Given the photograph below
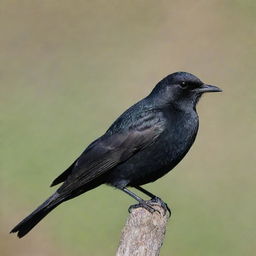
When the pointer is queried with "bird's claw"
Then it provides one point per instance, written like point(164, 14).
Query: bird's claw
point(144, 204)
point(162, 203)
point(147, 205)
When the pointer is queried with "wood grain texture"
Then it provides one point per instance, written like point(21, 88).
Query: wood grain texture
point(144, 232)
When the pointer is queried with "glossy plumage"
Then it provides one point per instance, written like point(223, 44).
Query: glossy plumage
point(143, 144)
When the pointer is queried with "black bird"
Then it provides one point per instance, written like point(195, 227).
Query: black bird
point(143, 144)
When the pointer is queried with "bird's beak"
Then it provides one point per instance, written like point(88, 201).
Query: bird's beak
point(209, 88)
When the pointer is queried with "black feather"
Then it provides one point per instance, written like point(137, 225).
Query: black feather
point(62, 177)
point(37, 215)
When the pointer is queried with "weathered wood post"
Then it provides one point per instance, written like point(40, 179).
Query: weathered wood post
point(143, 233)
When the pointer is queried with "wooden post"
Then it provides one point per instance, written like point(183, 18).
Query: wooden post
point(143, 233)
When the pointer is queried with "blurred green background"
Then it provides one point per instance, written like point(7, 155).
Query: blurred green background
point(69, 68)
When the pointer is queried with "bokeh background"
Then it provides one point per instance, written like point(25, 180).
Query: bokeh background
point(69, 68)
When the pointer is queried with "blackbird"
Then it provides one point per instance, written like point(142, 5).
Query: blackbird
point(143, 144)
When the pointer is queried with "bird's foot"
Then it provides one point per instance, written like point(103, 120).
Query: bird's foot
point(158, 200)
point(144, 204)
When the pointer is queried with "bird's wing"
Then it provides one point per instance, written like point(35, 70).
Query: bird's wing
point(63, 176)
point(111, 150)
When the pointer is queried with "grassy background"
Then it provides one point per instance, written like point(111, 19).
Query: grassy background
point(69, 68)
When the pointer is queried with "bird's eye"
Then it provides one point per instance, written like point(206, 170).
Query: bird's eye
point(183, 85)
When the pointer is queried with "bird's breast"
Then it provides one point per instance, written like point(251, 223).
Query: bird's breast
point(180, 135)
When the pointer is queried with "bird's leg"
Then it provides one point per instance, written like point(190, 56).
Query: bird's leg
point(154, 198)
point(145, 192)
point(142, 203)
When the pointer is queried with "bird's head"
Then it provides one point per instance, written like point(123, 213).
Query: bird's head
point(181, 89)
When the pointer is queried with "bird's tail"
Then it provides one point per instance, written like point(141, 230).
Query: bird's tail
point(37, 215)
